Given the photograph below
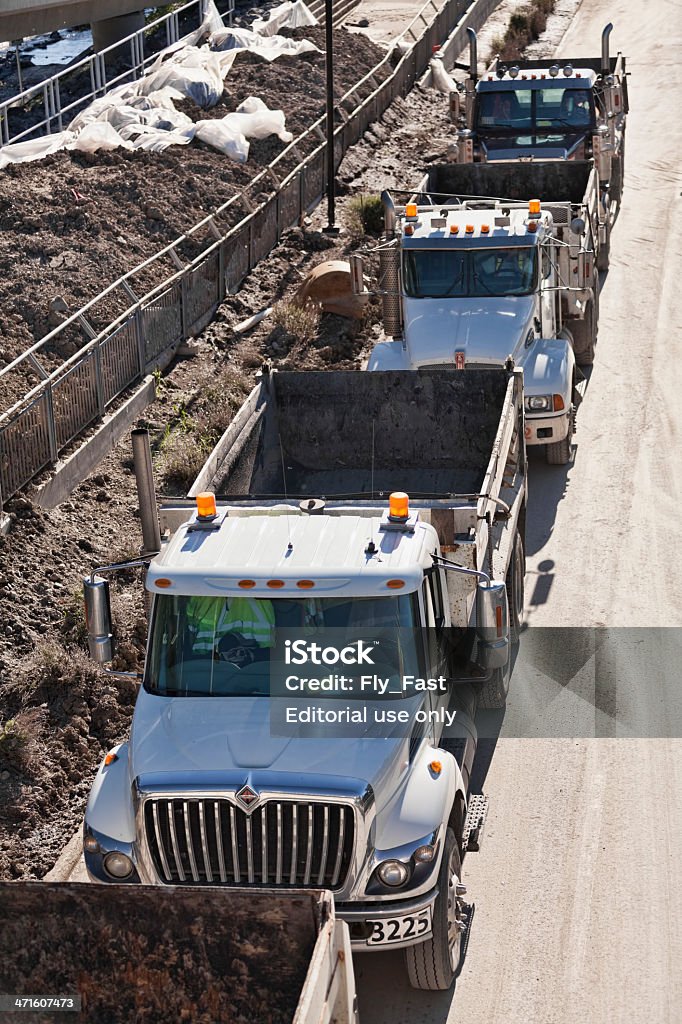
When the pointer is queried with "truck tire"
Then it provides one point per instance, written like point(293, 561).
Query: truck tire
point(616, 183)
point(433, 965)
point(559, 453)
point(604, 250)
point(493, 694)
point(585, 336)
point(618, 173)
point(515, 588)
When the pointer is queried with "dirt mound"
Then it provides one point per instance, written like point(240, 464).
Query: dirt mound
point(72, 223)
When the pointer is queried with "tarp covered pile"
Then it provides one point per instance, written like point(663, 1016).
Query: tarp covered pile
point(142, 115)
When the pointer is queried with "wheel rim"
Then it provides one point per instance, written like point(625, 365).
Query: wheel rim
point(454, 911)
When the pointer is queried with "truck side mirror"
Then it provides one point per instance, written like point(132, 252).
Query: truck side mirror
point(98, 619)
point(357, 275)
point(492, 623)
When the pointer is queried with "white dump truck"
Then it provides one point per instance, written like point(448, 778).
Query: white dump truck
point(318, 646)
point(568, 109)
point(474, 271)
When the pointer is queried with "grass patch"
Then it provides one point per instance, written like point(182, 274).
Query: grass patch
point(194, 430)
point(525, 27)
point(364, 216)
point(19, 738)
point(299, 322)
point(72, 627)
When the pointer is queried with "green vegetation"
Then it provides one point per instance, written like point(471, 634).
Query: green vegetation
point(524, 28)
point(364, 216)
point(194, 430)
point(18, 738)
point(301, 322)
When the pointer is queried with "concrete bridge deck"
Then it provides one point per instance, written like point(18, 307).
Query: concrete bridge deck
point(21, 18)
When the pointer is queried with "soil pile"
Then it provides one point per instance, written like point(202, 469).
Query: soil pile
point(72, 223)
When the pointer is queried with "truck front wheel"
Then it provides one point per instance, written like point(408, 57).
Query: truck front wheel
point(559, 453)
point(434, 964)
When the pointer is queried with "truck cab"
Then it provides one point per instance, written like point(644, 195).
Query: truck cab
point(545, 110)
point(479, 286)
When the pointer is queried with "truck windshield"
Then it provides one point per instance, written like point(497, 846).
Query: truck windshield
point(469, 273)
point(530, 110)
point(222, 647)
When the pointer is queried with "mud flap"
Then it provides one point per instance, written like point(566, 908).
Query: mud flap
point(579, 387)
point(474, 822)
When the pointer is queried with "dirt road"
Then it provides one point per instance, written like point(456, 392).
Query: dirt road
point(577, 889)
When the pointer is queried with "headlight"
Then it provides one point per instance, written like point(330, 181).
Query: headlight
point(393, 872)
point(538, 403)
point(118, 865)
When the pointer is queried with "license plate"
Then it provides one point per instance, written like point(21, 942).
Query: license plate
point(397, 929)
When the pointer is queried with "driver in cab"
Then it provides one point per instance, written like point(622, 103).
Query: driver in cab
point(240, 630)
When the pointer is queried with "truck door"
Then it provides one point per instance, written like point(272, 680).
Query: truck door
point(548, 294)
point(436, 616)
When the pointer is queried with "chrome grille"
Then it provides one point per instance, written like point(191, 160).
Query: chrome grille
point(281, 842)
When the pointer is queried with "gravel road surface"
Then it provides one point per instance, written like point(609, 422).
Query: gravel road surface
point(577, 889)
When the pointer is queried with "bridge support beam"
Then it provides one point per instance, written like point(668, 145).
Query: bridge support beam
point(111, 30)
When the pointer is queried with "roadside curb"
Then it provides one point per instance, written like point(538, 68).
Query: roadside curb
point(66, 861)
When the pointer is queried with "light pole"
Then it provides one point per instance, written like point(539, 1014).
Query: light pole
point(331, 228)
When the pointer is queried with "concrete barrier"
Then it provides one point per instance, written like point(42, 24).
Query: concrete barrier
point(74, 469)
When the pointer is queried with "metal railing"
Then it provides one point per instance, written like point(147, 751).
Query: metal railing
point(93, 69)
point(67, 401)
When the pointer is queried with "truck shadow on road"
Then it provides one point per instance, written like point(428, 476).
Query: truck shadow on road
point(549, 486)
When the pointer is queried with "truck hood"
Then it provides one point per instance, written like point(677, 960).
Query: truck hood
point(173, 736)
point(557, 146)
point(486, 330)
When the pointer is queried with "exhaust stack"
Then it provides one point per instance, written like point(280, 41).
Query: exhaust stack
point(389, 214)
point(473, 54)
point(605, 60)
point(98, 619)
point(144, 476)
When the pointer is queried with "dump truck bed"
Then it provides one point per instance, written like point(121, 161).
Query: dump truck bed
point(168, 954)
point(357, 434)
point(553, 181)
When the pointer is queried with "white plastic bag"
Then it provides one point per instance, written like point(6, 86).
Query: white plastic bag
point(441, 80)
point(287, 15)
point(256, 121)
point(98, 135)
point(194, 73)
point(224, 138)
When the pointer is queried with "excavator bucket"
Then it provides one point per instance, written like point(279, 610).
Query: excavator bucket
point(153, 954)
point(329, 286)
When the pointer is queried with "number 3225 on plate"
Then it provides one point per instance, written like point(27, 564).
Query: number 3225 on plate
point(397, 929)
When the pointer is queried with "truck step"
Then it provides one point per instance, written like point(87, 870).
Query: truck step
point(474, 822)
